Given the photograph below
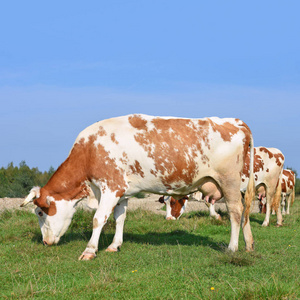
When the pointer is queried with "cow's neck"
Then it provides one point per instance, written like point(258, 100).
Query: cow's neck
point(69, 181)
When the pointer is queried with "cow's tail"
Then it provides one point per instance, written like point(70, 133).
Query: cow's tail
point(250, 191)
point(277, 196)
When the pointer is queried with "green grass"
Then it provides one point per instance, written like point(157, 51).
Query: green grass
point(185, 259)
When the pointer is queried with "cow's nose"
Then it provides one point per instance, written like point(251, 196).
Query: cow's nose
point(45, 243)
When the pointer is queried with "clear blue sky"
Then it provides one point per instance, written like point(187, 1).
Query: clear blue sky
point(67, 64)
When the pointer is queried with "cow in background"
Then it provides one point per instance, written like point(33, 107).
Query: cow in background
point(122, 156)
point(268, 165)
point(288, 190)
point(175, 208)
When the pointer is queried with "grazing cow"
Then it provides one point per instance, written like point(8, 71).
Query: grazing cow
point(122, 156)
point(175, 208)
point(268, 164)
point(288, 190)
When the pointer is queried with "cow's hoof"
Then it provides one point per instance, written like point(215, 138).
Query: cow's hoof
point(111, 249)
point(278, 225)
point(265, 224)
point(219, 218)
point(170, 218)
point(87, 256)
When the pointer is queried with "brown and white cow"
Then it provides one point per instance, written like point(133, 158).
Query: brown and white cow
point(268, 164)
point(175, 208)
point(288, 190)
point(268, 167)
point(122, 156)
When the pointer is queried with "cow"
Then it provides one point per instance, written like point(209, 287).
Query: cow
point(122, 156)
point(175, 208)
point(268, 165)
point(288, 190)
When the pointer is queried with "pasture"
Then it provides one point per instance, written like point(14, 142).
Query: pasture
point(159, 259)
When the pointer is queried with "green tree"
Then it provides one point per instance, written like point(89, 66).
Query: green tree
point(17, 181)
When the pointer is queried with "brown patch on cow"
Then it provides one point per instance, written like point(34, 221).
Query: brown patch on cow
point(279, 159)
point(268, 170)
point(278, 156)
point(257, 166)
point(283, 185)
point(95, 223)
point(226, 130)
point(290, 178)
point(124, 159)
point(113, 138)
point(86, 161)
point(51, 210)
point(120, 193)
point(101, 131)
point(204, 159)
point(182, 136)
point(182, 140)
point(137, 169)
point(138, 122)
point(258, 163)
point(154, 173)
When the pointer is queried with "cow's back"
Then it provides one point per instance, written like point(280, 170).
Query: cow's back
point(157, 154)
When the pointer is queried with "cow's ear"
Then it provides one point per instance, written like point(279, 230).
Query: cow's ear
point(161, 199)
point(34, 192)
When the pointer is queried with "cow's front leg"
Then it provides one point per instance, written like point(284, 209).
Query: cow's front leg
point(289, 200)
point(119, 215)
point(279, 217)
point(268, 212)
point(101, 216)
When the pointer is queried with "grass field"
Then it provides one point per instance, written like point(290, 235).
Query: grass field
point(185, 259)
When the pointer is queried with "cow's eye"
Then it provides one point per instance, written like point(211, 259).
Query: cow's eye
point(40, 213)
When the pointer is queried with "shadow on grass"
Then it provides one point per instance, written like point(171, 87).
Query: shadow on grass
point(180, 237)
point(255, 219)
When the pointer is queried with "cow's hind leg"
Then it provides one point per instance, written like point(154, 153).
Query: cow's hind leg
point(283, 203)
point(105, 208)
point(235, 210)
point(248, 237)
point(213, 213)
point(119, 215)
point(289, 198)
point(268, 208)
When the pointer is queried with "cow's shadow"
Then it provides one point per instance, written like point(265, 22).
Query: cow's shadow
point(177, 237)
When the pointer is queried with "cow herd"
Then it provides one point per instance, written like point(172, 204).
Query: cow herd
point(268, 174)
point(173, 157)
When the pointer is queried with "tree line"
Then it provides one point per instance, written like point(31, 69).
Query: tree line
point(16, 181)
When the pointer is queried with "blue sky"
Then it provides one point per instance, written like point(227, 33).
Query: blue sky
point(67, 64)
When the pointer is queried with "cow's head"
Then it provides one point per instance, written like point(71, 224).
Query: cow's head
point(174, 208)
point(54, 216)
point(262, 204)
